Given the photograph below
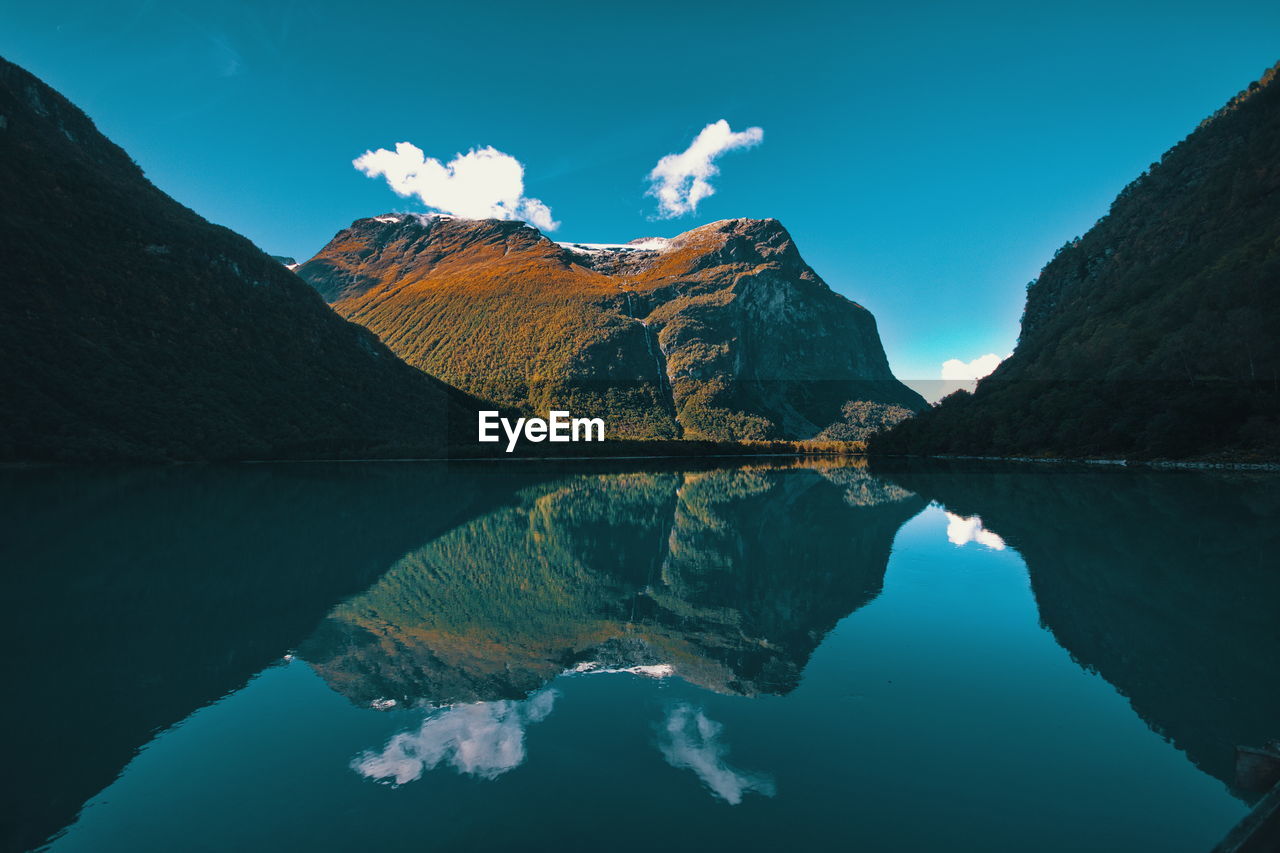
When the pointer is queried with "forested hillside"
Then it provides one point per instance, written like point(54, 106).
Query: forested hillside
point(1157, 333)
point(131, 328)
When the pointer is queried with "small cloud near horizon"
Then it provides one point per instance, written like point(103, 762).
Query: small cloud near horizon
point(954, 368)
point(955, 375)
point(484, 183)
point(681, 180)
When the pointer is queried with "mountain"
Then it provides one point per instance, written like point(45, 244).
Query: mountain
point(131, 328)
point(1157, 333)
point(723, 332)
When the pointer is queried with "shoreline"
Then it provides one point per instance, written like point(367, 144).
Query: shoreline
point(1195, 465)
point(20, 466)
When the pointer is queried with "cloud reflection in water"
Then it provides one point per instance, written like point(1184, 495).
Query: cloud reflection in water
point(689, 740)
point(484, 739)
point(961, 531)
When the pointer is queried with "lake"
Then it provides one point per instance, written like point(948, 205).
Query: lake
point(627, 656)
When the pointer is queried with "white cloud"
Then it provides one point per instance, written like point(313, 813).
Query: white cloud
point(691, 741)
point(954, 368)
point(680, 181)
point(484, 183)
point(962, 531)
point(484, 739)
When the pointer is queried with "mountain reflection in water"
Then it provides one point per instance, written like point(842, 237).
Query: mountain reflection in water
point(725, 578)
point(462, 615)
point(1165, 583)
point(657, 574)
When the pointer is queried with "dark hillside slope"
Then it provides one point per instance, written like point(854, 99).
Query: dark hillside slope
point(1157, 334)
point(131, 328)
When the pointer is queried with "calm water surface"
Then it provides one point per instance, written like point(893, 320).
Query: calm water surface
point(799, 656)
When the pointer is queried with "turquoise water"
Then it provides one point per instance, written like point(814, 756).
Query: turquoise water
point(424, 657)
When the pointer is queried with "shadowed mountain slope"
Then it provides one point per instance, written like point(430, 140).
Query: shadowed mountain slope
point(131, 328)
point(1157, 333)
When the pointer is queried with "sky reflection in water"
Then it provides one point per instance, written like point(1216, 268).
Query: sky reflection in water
point(767, 647)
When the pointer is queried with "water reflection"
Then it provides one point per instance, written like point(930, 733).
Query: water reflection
point(689, 740)
point(1163, 582)
point(728, 578)
point(482, 739)
point(140, 595)
point(724, 577)
point(962, 531)
point(455, 596)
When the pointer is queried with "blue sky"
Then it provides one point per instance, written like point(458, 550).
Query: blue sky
point(927, 158)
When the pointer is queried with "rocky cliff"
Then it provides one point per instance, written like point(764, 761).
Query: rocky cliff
point(723, 332)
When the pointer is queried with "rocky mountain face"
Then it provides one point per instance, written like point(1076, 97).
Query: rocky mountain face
point(1157, 333)
point(131, 328)
point(723, 332)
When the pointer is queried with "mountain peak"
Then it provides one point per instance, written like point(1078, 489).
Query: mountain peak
point(443, 224)
point(721, 332)
point(419, 242)
point(755, 228)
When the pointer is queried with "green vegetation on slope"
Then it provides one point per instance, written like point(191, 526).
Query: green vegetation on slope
point(1157, 333)
point(723, 334)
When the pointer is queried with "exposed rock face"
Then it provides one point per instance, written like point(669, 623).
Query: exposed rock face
point(130, 328)
point(723, 332)
point(1157, 333)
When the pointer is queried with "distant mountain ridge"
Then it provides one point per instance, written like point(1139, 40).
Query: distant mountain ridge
point(1157, 333)
point(723, 332)
point(131, 328)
